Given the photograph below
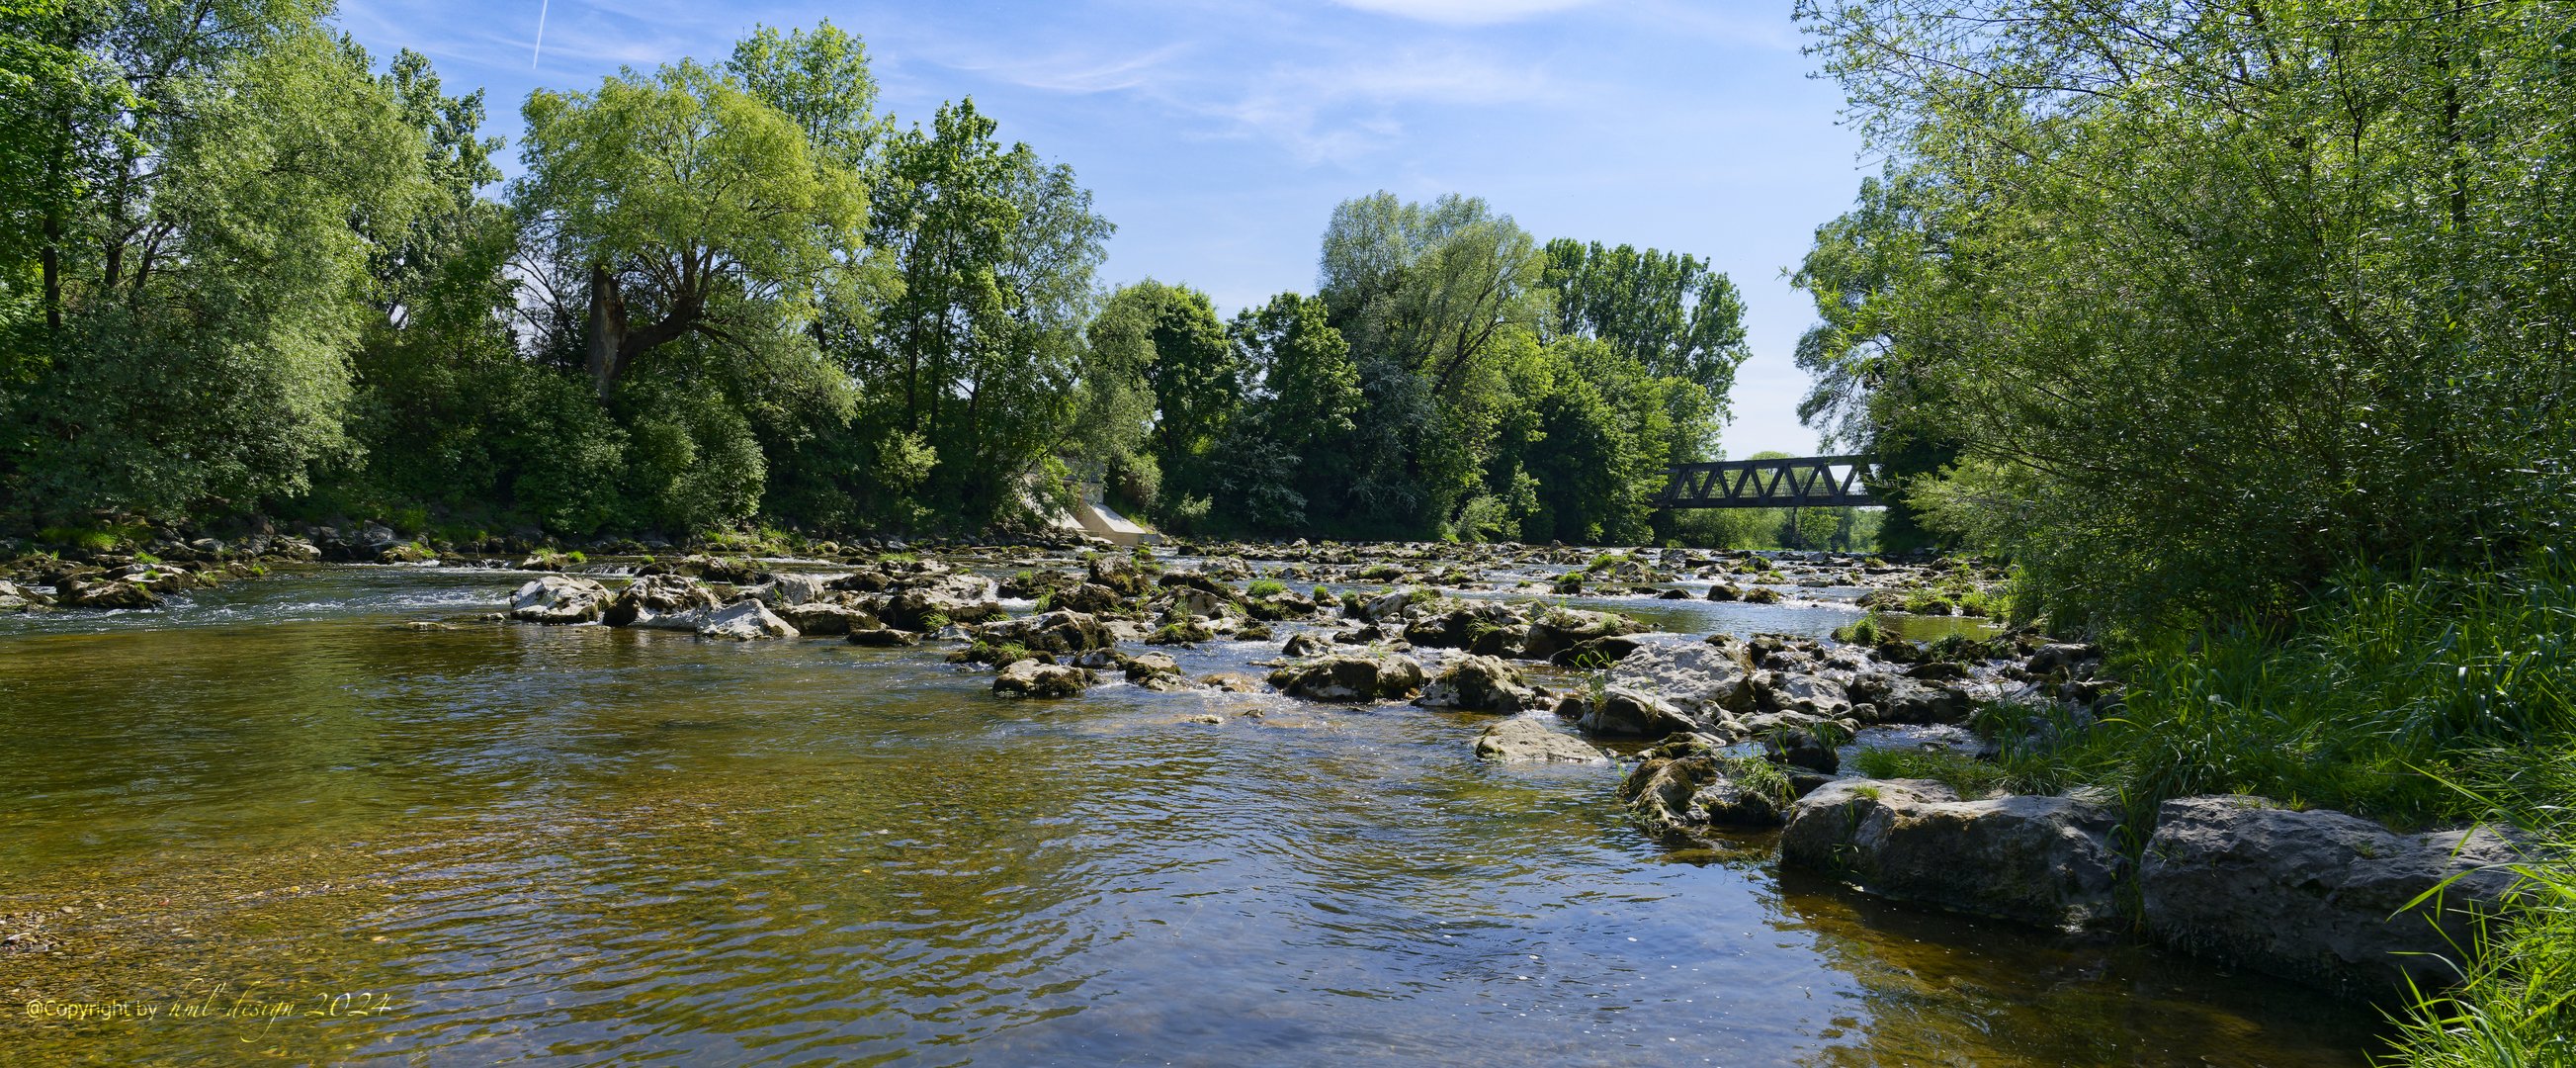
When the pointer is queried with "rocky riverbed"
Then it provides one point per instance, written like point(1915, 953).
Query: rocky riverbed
point(1728, 740)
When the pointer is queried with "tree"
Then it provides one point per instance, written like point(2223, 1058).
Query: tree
point(210, 195)
point(1171, 335)
point(977, 357)
point(2349, 345)
point(1667, 311)
point(684, 205)
point(1291, 448)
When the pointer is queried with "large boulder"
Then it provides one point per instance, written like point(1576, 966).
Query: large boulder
point(1703, 679)
point(558, 599)
point(929, 608)
point(106, 593)
point(661, 602)
point(1486, 629)
point(1091, 598)
point(1059, 631)
point(1529, 739)
point(1679, 796)
point(15, 598)
point(786, 590)
point(744, 620)
point(1898, 699)
point(1119, 573)
point(1029, 678)
point(1356, 677)
point(826, 618)
point(2320, 897)
point(1624, 713)
point(2041, 860)
point(1477, 684)
point(1564, 628)
point(1809, 695)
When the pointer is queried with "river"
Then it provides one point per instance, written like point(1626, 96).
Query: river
point(280, 826)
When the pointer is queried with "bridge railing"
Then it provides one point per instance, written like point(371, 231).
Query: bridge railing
point(1800, 482)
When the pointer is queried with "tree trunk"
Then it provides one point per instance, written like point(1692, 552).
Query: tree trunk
point(607, 358)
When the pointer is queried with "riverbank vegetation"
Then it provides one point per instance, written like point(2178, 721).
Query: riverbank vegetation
point(2242, 330)
point(249, 272)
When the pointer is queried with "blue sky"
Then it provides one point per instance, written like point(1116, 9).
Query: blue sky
point(1218, 134)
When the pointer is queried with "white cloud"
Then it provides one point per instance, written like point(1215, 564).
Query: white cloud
point(1463, 12)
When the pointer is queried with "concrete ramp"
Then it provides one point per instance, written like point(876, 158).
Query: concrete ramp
point(1101, 521)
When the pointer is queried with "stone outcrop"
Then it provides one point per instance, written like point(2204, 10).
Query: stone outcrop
point(1559, 629)
point(1704, 680)
point(1620, 712)
point(826, 618)
point(1529, 739)
point(2041, 860)
point(1486, 629)
point(884, 637)
point(2321, 897)
point(661, 602)
point(1693, 791)
point(1355, 677)
point(744, 620)
point(1029, 678)
point(1060, 631)
point(1478, 684)
point(558, 599)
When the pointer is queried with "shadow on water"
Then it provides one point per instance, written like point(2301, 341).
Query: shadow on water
point(587, 846)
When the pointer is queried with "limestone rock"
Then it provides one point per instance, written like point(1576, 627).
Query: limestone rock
point(108, 593)
point(1091, 598)
point(1563, 628)
point(884, 637)
point(1060, 631)
point(1626, 713)
point(558, 599)
point(1527, 739)
point(2042, 860)
point(1702, 679)
point(744, 620)
point(1029, 678)
point(661, 602)
point(1356, 677)
point(1478, 684)
point(1680, 795)
point(826, 618)
point(2320, 897)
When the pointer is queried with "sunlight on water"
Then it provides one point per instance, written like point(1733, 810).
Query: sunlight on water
point(513, 844)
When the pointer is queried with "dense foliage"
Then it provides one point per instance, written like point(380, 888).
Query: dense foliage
point(2206, 300)
point(247, 274)
point(2244, 329)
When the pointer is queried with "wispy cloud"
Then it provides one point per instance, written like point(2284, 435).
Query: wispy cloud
point(1464, 12)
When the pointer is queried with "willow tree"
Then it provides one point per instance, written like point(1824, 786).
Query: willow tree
point(683, 204)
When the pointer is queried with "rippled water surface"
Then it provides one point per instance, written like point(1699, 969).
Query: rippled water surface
point(588, 846)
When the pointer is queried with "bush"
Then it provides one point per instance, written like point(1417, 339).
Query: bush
point(1265, 588)
point(2385, 678)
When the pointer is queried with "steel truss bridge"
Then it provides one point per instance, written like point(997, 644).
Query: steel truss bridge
point(1807, 482)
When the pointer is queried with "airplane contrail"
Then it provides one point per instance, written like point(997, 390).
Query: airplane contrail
point(541, 35)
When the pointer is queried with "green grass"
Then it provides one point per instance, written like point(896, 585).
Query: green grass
point(99, 539)
point(1863, 631)
point(1967, 776)
point(2417, 697)
point(1265, 588)
point(2516, 1005)
point(2380, 681)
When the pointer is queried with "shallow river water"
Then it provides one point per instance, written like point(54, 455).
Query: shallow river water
point(296, 832)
